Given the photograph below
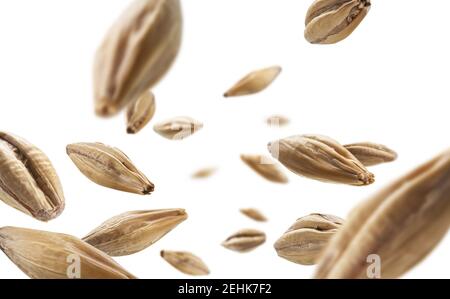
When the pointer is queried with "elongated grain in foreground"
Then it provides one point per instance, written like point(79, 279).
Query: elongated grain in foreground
point(265, 167)
point(254, 214)
point(140, 112)
point(178, 128)
point(185, 262)
point(331, 21)
point(400, 225)
point(109, 167)
point(245, 240)
point(47, 255)
point(305, 240)
point(370, 154)
point(254, 82)
point(320, 158)
point(136, 53)
point(134, 231)
point(28, 181)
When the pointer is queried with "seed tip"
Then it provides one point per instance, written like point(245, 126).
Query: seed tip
point(148, 189)
point(366, 178)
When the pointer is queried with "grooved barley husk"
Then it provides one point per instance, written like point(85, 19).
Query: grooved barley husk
point(254, 82)
point(140, 112)
point(401, 224)
point(370, 154)
point(320, 158)
point(134, 231)
point(28, 181)
point(136, 53)
point(307, 237)
point(47, 255)
point(330, 21)
point(185, 262)
point(109, 167)
point(245, 240)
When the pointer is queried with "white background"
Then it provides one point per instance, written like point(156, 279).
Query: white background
point(387, 83)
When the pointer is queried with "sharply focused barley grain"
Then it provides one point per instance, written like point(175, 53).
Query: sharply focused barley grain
point(306, 239)
point(330, 21)
point(109, 167)
point(134, 231)
point(28, 181)
point(320, 158)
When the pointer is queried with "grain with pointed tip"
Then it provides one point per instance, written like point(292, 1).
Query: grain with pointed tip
point(402, 224)
point(134, 231)
point(370, 154)
point(140, 113)
point(331, 21)
point(266, 167)
point(254, 82)
point(254, 214)
point(109, 167)
point(48, 255)
point(28, 180)
point(136, 53)
point(320, 158)
point(245, 240)
point(307, 237)
point(185, 262)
